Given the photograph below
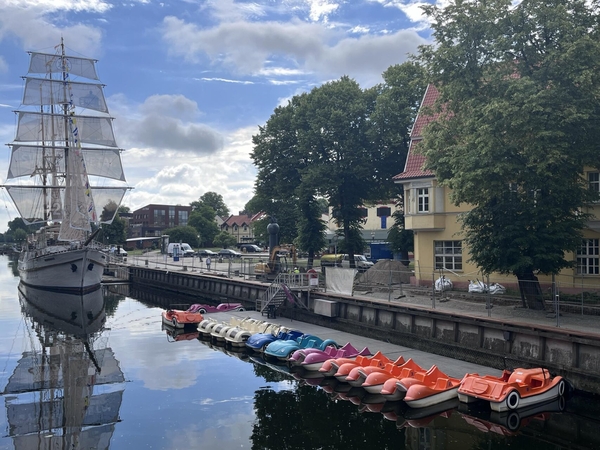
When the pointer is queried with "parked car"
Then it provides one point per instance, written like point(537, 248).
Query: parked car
point(250, 248)
point(229, 253)
point(205, 252)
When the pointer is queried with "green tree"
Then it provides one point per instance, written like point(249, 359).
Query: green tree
point(185, 234)
point(519, 88)
point(213, 200)
point(202, 219)
point(115, 232)
point(16, 224)
point(224, 240)
point(20, 236)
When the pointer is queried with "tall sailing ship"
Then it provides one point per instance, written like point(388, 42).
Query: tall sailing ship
point(64, 141)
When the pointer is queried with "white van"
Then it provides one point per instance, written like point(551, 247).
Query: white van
point(342, 260)
point(183, 249)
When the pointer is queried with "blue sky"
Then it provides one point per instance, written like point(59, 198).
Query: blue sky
point(190, 81)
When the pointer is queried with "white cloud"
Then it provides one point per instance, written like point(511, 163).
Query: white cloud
point(321, 9)
point(249, 47)
point(225, 80)
point(58, 5)
point(182, 177)
point(30, 26)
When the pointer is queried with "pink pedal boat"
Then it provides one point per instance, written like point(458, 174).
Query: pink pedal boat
point(377, 360)
point(358, 375)
point(313, 361)
point(375, 380)
point(395, 388)
point(512, 390)
point(331, 366)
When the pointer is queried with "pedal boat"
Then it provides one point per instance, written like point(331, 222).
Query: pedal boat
point(395, 388)
point(177, 318)
point(218, 332)
point(238, 336)
point(205, 327)
point(315, 360)
point(376, 379)
point(331, 366)
point(358, 375)
point(433, 391)
point(512, 390)
point(377, 360)
point(221, 307)
point(259, 341)
point(283, 349)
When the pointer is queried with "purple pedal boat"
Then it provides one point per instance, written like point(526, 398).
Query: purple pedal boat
point(311, 359)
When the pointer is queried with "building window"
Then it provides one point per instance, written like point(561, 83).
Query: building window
point(423, 200)
point(384, 211)
point(594, 181)
point(448, 255)
point(588, 257)
point(383, 222)
point(171, 216)
point(183, 218)
point(363, 212)
point(159, 217)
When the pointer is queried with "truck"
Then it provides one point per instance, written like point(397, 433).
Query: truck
point(183, 249)
point(343, 260)
point(282, 258)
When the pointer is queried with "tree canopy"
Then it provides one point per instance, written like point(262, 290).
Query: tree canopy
point(518, 123)
point(185, 234)
point(214, 201)
point(339, 143)
point(202, 218)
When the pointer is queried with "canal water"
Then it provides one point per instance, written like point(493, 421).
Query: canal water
point(100, 372)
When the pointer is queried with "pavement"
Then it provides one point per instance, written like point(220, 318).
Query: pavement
point(504, 309)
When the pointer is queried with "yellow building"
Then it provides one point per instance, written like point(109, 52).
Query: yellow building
point(439, 247)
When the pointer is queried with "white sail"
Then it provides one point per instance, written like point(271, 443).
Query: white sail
point(94, 130)
point(40, 91)
point(29, 201)
point(27, 160)
point(53, 63)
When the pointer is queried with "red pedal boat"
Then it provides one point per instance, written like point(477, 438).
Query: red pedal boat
point(512, 390)
point(179, 319)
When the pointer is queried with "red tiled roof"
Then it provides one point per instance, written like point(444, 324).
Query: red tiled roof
point(414, 161)
point(431, 95)
point(242, 219)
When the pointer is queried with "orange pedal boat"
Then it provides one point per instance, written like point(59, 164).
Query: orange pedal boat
point(395, 388)
point(435, 389)
point(358, 375)
point(512, 390)
point(331, 366)
point(375, 380)
point(377, 360)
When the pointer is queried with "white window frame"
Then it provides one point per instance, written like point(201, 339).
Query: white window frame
point(588, 257)
point(448, 255)
point(423, 200)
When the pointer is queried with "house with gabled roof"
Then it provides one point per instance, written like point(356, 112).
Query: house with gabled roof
point(438, 243)
point(240, 226)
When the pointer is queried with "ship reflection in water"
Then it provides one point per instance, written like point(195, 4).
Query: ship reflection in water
point(67, 388)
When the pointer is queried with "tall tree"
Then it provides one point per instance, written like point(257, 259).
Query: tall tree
point(186, 234)
point(202, 218)
point(215, 201)
point(519, 88)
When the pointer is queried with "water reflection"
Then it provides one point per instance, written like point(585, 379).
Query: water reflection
point(67, 387)
point(319, 412)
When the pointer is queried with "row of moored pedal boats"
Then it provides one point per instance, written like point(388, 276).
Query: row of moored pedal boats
point(393, 380)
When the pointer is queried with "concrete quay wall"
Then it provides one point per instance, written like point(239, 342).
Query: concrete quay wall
point(487, 341)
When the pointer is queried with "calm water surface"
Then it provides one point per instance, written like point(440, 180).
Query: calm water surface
point(106, 375)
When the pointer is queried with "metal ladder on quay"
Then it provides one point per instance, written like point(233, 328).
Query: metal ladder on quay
point(280, 290)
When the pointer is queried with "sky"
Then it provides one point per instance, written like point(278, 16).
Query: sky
point(189, 82)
